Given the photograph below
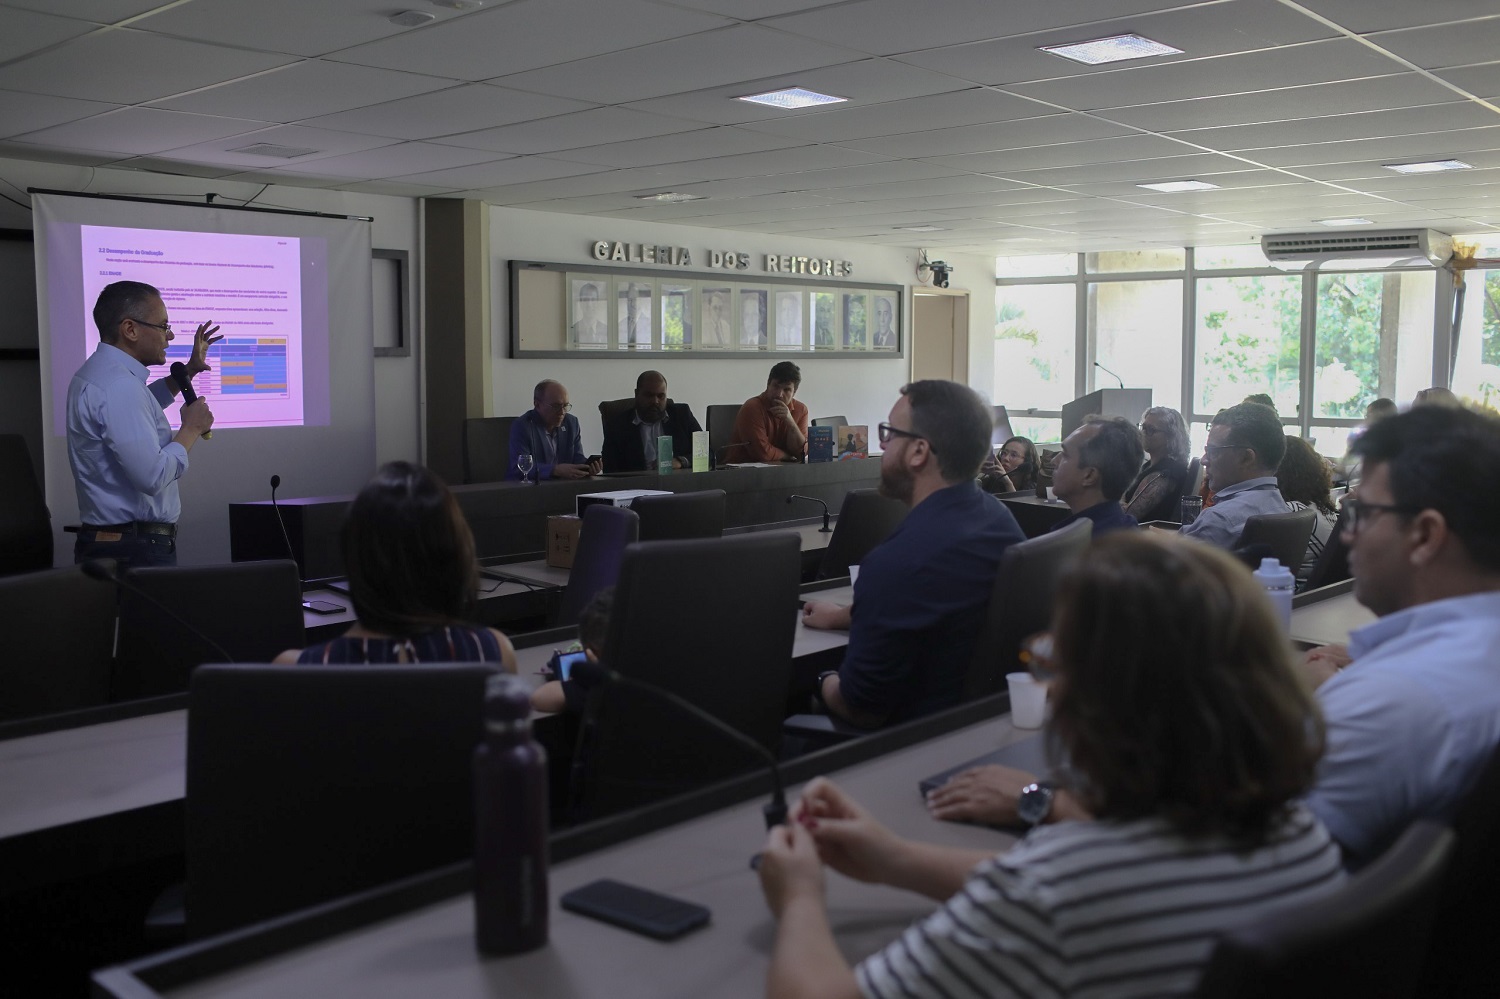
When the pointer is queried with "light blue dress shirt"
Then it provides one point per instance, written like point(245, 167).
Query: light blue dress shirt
point(1222, 524)
point(125, 463)
point(1411, 721)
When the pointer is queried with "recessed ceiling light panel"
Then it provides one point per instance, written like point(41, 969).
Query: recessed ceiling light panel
point(1428, 166)
point(793, 98)
point(1344, 222)
point(1116, 48)
point(1179, 186)
point(670, 197)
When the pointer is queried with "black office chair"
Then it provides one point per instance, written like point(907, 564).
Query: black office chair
point(865, 520)
point(830, 421)
point(681, 515)
point(1282, 536)
point(1021, 603)
point(309, 782)
point(487, 448)
point(719, 420)
point(610, 408)
point(1366, 939)
point(1462, 959)
point(1192, 483)
point(602, 539)
point(713, 621)
point(25, 521)
point(1332, 565)
point(59, 644)
point(252, 610)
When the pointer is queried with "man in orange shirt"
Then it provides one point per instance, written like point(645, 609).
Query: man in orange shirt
point(771, 426)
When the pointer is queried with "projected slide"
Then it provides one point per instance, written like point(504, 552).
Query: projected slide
point(248, 286)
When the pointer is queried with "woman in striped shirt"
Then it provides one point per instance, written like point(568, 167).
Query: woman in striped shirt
point(1189, 741)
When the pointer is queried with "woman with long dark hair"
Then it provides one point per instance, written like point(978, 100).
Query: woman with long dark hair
point(413, 578)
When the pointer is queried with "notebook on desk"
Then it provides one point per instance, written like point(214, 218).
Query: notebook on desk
point(1030, 754)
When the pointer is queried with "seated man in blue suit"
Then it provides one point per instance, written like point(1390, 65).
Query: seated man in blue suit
point(630, 437)
point(550, 434)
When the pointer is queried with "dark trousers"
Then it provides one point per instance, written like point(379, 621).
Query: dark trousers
point(132, 550)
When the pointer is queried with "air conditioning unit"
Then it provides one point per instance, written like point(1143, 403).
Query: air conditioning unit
point(1296, 251)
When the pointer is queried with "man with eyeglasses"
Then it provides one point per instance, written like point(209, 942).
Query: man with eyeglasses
point(922, 593)
point(550, 435)
point(126, 459)
point(1412, 707)
point(1245, 446)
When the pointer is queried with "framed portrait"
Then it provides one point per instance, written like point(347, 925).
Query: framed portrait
point(751, 313)
point(716, 328)
point(791, 320)
point(825, 320)
point(678, 313)
point(634, 301)
point(588, 313)
point(884, 334)
point(856, 320)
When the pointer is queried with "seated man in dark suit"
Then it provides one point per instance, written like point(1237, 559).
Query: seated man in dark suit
point(1098, 461)
point(630, 437)
point(549, 433)
point(923, 592)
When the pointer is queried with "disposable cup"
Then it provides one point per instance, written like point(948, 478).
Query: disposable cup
point(1028, 700)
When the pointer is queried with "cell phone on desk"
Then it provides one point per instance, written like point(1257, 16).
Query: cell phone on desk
point(322, 607)
point(561, 664)
point(636, 909)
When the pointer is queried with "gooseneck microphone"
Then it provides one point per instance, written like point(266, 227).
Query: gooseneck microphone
point(813, 499)
point(180, 376)
point(592, 673)
point(275, 482)
point(107, 571)
point(1110, 373)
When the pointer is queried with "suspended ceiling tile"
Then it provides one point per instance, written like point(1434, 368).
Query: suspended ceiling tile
point(596, 126)
point(446, 112)
point(529, 34)
point(158, 67)
point(23, 31)
point(682, 146)
point(1445, 44)
point(138, 131)
point(21, 113)
point(1392, 149)
point(323, 142)
point(1050, 130)
point(303, 90)
point(708, 59)
point(297, 26)
point(400, 160)
point(1370, 124)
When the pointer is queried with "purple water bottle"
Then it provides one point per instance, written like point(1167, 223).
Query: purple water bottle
point(510, 825)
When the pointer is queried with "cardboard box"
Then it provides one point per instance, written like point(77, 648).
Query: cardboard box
point(562, 540)
point(614, 497)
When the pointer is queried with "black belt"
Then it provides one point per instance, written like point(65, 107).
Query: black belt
point(134, 527)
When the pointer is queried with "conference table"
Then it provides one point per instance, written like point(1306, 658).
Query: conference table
point(418, 938)
point(93, 797)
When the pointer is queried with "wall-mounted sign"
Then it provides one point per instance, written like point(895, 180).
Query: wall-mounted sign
point(729, 260)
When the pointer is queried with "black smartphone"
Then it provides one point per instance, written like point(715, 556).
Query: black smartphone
point(562, 663)
point(637, 909)
point(322, 607)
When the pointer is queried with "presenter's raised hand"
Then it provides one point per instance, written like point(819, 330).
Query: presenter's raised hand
point(202, 340)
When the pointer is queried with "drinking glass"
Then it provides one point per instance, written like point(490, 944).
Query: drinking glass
point(524, 464)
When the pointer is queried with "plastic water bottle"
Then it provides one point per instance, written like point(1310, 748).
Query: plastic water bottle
point(1279, 583)
point(510, 834)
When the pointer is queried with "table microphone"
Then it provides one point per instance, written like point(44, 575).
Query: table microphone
point(180, 376)
point(275, 482)
point(592, 673)
point(813, 499)
point(107, 571)
point(1110, 373)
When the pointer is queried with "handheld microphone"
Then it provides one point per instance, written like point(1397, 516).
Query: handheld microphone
point(592, 673)
point(719, 460)
point(275, 482)
point(813, 499)
point(1110, 373)
point(180, 376)
point(107, 571)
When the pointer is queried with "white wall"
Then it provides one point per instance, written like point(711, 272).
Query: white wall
point(863, 390)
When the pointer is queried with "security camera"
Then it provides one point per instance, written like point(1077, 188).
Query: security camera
point(940, 273)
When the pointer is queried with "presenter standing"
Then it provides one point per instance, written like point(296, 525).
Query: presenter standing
point(126, 461)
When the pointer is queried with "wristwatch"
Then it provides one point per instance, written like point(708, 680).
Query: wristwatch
point(818, 688)
point(1035, 803)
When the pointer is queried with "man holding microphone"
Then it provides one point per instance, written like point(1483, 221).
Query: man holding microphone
point(125, 458)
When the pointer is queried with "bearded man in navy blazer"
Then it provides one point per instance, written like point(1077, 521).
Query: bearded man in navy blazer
point(630, 437)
